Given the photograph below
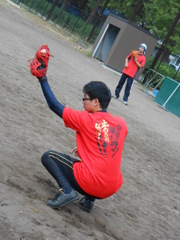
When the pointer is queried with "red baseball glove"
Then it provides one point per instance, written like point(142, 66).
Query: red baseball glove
point(134, 53)
point(39, 64)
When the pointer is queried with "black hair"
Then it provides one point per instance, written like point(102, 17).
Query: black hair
point(99, 90)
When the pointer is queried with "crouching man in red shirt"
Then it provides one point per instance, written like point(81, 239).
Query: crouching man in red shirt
point(100, 136)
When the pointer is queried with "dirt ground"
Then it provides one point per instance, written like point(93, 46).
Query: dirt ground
point(147, 207)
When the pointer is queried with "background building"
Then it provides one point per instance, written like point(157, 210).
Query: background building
point(117, 38)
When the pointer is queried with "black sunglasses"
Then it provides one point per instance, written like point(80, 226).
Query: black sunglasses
point(84, 99)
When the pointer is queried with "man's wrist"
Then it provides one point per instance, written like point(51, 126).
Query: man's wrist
point(43, 79)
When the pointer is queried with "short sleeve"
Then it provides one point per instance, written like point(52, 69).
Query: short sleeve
point(72, 118)
point(143, 61)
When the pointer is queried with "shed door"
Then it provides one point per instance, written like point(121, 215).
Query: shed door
point(106, 43)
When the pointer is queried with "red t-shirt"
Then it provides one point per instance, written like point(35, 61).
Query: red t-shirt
point(100, 138)
point(132, 68)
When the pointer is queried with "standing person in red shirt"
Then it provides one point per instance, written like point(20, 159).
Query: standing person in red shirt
point(132, 65)
point(95, 171)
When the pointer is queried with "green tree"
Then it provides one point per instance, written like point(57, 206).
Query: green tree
point(65, 4)
point(105, 4)
point(155, 16)
point(167, 39)
point(94, 11)
point(52, 9)
point(160, 15)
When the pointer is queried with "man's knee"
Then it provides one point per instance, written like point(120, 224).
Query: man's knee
point(45, 157)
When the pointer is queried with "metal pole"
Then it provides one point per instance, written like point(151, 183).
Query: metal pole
point(159, 83)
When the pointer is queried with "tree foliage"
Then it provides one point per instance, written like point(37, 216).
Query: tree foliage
point(155, 16)
point(160, 15)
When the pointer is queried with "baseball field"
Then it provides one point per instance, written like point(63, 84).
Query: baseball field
point(147, 207)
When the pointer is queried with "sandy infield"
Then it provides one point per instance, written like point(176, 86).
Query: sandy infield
point(147, 207)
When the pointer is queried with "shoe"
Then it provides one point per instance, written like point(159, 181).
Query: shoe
point(62, 199)
point(125, 102)
point(86, 204)
point(115, 96)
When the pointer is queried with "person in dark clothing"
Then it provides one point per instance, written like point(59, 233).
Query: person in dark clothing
point(132, 65)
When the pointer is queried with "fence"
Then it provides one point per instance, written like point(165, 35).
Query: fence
point(72, 19)
point(154, 79)
point(169, 96)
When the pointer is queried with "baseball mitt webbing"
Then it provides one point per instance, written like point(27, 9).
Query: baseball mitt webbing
point(134, 53)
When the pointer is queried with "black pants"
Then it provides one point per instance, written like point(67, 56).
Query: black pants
point(60, 166)
point(128, 86)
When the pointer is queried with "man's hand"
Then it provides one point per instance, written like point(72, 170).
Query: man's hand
point(138, 64)
point(75, 152)
point(39, 64)
point(126, 63)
